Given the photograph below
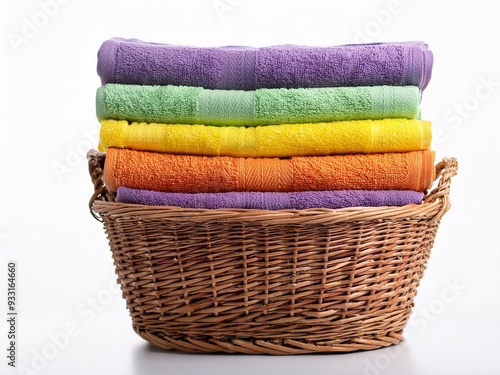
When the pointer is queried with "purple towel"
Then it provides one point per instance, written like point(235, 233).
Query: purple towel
point(131, 61)
point(272, 201)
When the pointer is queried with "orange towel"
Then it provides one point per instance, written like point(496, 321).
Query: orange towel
point(195, 174)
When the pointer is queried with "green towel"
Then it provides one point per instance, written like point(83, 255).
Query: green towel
point(195, 105)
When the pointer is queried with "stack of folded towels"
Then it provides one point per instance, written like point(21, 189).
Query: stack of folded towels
point(283, 127)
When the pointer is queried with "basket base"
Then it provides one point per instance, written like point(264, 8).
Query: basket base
point(188, 343)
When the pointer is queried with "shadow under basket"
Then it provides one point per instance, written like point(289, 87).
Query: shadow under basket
point(270, 282)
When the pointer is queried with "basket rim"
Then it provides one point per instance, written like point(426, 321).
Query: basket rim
point(436, 204)
point(309, 216)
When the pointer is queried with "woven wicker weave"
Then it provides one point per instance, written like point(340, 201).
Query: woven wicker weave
point(273, 282)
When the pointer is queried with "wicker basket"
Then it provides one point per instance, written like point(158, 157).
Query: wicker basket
point(270, 282)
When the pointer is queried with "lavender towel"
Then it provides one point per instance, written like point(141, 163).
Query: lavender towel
point(272, 201)
point(131, 61)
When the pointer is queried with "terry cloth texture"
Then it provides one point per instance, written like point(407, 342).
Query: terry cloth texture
point(195, 105)
point(272, 201)
point(131, 61)
point(342, 137)
point(204, 174)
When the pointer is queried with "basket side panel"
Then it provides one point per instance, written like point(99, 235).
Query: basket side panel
point(224, 281)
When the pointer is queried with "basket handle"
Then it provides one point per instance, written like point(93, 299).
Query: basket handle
point(96, 169)
point(445, 169)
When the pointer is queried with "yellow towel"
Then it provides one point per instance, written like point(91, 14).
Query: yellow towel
point(342, 137)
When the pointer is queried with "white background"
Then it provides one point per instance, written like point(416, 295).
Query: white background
point(48, 82)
